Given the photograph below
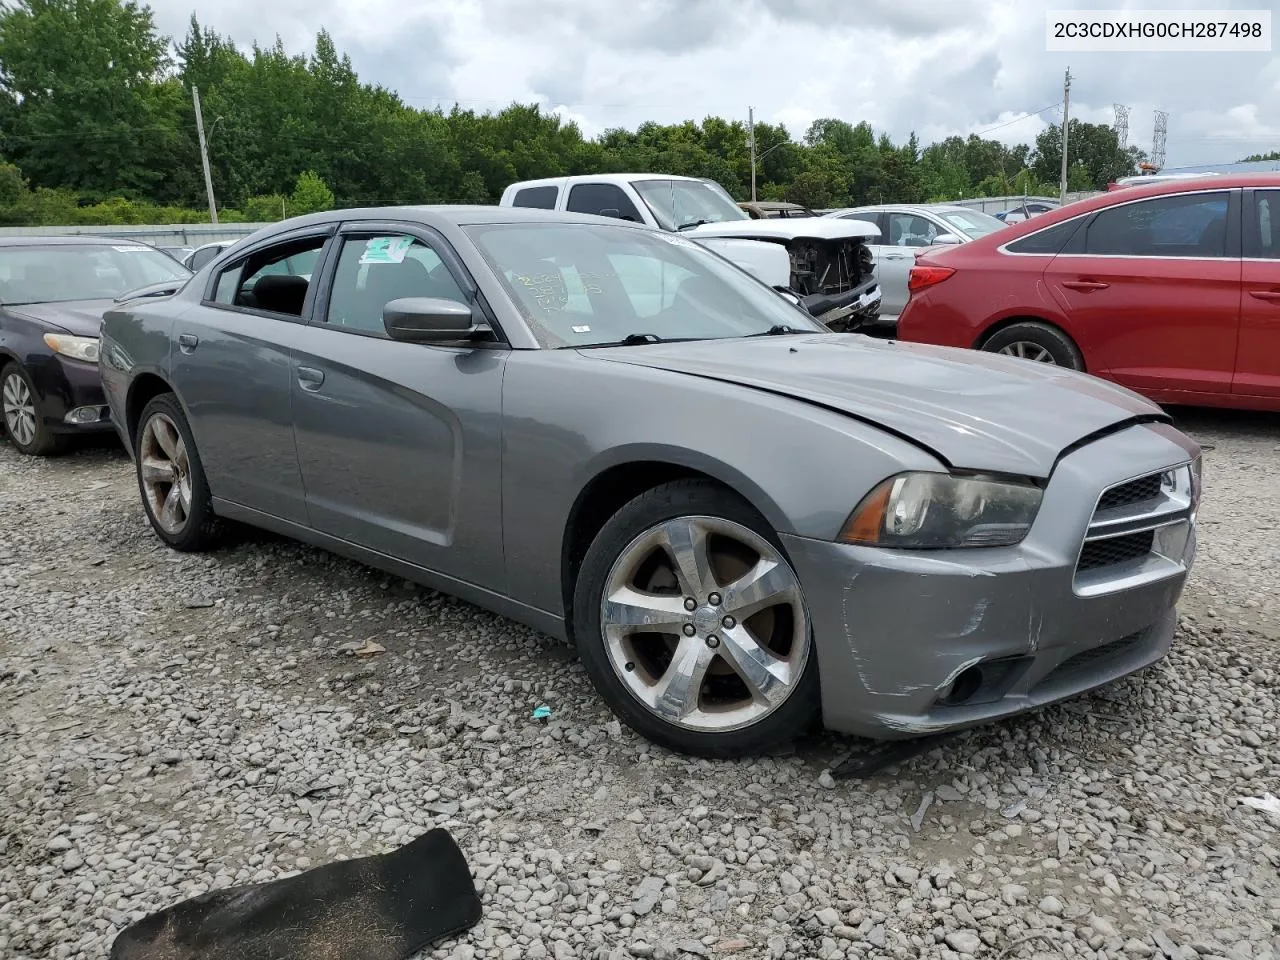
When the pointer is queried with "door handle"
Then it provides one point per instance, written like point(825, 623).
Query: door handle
point(1085, 284)
point(187, 342)
point(896, 256)
point(309, 378)
point(1271, 295)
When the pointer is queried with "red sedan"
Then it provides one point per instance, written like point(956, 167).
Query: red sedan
point(1172, 290)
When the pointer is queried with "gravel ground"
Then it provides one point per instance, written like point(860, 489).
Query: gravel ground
point(174, 724)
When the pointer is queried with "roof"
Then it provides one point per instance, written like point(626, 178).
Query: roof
point(1137, 192)
point(438, 216)
point(77, 240)
point(619, 178)
point(772, 205)
point(879, 207)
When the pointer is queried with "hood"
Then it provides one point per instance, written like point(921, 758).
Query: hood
point(788, 228)
point(80, 318)
point(974, 411)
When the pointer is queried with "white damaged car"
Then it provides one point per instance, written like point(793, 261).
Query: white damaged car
point(825, 263)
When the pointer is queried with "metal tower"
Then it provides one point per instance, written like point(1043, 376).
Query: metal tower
point(1159, 138)
point(1122, 124)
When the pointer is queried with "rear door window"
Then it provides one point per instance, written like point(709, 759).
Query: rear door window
point(1182, 225)
point(1264, 232)
point(602, 199)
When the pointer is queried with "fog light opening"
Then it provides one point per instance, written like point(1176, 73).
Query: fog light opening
point(962, 688)
point(93, 414)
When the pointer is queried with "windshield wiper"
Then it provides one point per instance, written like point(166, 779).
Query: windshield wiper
point(778, 330)
point(631, 340)
point(694, 223)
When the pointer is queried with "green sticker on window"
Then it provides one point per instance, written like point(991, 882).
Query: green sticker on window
point(386, 249)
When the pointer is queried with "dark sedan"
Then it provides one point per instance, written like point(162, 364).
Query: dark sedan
point(53, 291)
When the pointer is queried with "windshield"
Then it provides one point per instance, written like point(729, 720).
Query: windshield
point(685, 203)
point(50, 274)
point(973, 223)
point(582, 285)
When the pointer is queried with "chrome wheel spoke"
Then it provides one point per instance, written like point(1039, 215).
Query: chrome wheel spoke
point(767, 584)
point(677, 693)
point(629, 611)
point(767, 676)
point(685, 542)
point(171, 511)
point(166, 436)
point(155, 470)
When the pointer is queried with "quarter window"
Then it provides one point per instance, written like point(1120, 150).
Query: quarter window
point(374, 270)
point(602, 199)
point(1050, 241)
point(1182, 225)
point(540, 198)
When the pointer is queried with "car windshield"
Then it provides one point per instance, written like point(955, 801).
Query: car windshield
point(678, 204)
point(583, 285)
point(48, 274)
point(972, 223)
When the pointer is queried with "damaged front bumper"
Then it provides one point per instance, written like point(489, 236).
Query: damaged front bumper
point(913, 643)
point(848, 310)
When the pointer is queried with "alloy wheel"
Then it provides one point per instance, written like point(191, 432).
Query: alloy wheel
point(165, 470)
point(1026, 350)
point(705, 624)
point(19, 409)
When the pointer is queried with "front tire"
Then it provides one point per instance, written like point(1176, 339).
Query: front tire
point(1038, 342)
point(23, 423)
point(175, 493)
point(692, 624)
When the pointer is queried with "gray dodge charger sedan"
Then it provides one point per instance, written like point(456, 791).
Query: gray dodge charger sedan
point(610, 433)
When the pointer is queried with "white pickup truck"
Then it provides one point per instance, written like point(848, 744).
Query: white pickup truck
point(827, 264)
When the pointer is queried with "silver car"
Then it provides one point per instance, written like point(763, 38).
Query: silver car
point(612, 434)
point(905, 230)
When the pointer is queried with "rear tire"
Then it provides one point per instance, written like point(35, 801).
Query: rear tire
point(20, 413)
point(738, 673)
point(1036, 341)
point(175, 493)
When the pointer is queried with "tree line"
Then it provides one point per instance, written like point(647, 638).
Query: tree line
point(97, 125)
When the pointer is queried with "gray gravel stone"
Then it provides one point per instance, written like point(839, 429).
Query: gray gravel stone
point(153, 752)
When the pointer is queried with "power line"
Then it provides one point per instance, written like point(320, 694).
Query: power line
point(1025, 116)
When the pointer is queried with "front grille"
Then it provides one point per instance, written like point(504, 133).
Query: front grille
point(1132, 530)
point(1115, 550)
point(1135, 491)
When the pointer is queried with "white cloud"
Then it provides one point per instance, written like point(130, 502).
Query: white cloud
point(901, 65)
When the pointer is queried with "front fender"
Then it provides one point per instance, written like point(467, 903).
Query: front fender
point(568, 417)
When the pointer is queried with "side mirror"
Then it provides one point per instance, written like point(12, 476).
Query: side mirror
point(946, 240)
point(430, 320)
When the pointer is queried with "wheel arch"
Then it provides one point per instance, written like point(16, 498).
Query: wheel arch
point(142, 390)
point(625, 477)
point(1004, 323)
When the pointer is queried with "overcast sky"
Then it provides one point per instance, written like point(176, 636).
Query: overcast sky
point(938, 67)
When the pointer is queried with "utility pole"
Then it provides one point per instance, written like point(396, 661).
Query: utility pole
point(1066, 109)
point(751, 123)
point(204, 156)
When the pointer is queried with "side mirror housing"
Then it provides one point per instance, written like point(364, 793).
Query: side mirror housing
point(431, 320)
point(946, 240)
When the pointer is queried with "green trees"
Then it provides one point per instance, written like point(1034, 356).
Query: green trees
point(97, 121)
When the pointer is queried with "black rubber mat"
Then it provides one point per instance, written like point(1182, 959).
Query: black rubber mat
point(385, 907)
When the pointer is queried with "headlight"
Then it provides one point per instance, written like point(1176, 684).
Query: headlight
point(924, 511)
point(78, 348)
